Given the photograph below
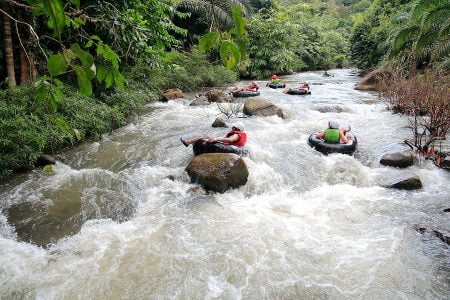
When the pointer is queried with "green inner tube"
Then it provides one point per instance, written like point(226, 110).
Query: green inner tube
point(326, 148)
point(245, 94)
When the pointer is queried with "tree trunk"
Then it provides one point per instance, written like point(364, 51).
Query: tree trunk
point(9, 56)
point(24, 68)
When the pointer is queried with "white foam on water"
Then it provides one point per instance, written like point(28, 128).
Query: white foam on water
point(304, 226)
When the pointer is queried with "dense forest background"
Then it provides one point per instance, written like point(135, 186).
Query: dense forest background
point(76, 69)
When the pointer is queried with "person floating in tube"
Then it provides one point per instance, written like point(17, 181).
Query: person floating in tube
point(253, 87)
point(303, 86)
point(233, 142)
point(334, 134)
point(274, 80)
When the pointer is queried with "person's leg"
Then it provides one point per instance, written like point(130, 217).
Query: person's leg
point(286, 90)
point(320, 135)
point(187, 142)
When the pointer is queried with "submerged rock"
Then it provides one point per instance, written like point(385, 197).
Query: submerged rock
point(409, 181)
point(218, 171)
point(171, 94)
point(371, 80)
point(330, 108)
point(401, 157)
point(219, 96)
point(202, 100)
point(257, 106)
point(219, 122)
point(45, 160)
point(62, 212)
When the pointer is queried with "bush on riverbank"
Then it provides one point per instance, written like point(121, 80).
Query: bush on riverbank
point(27, 130)
point(424, 97)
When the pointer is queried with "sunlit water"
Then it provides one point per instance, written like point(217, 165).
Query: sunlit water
point(304, 226)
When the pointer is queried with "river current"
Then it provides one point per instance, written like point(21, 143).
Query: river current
point(117, 220)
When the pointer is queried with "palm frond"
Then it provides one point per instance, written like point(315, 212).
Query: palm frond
point(402, 39)
point(435, 18)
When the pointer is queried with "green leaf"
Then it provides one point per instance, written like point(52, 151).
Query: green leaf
point(101, 73)
point(119, 79)
point(56, 64)
point(85, 57)
point(89, 44)
point(242, 45)
point(109, 79)
point(48, 168)
point(76, 2)
point(55, 11)
point(83, 81)
point(230, 55)
point(77, 134)
point(239, 20)
point(208, 41)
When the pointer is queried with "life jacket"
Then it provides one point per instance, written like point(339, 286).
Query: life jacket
point(276, 81)
point(303, 87)
point(331, 135)
point(251, 88)
point(242, 138)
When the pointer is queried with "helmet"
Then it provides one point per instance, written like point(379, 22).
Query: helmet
point(274, 77)
point(238, 125)
point(333, 124)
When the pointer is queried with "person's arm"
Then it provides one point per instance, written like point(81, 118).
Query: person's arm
point(226, 140)
point(342, 137)
point(320, 135)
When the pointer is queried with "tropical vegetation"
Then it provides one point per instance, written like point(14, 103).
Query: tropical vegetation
point(75, 69)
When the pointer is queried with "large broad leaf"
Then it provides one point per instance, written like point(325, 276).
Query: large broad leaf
point(242, 45)
point(85, 57)
point(208, 41)
point(55, 11)
point(56, 64)
point(119, 79)
point(239, 20)
point(230, 55)
point(83, 80)
point(101, 73)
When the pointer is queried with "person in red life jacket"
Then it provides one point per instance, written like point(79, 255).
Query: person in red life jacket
point(253, 87)
point(236, 137)
point(303, 86)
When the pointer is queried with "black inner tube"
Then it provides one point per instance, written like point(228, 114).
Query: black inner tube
point(298, 92)
point(245, 94)
point(326, 148)
point(202, 146)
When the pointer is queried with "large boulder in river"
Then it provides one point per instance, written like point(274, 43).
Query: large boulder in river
point(218, 171)
point(219, 122)
point(408, 181)
point(219, 96)
point(401, 156)
point(370, 81)
point(258, 106)
point(171, 94)
point(202, 100)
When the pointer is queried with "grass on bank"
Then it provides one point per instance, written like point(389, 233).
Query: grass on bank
point(28, 130)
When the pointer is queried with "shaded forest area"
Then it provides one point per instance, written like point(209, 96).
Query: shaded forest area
point(71, 70)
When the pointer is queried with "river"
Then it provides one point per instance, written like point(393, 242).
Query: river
point(109, 223)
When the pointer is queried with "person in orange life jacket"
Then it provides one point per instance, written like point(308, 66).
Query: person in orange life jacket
point(253, 87)
point(334, 134)
point(236, 137)
point(302, 86)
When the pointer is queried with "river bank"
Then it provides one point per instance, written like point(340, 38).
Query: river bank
point(305, 224)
